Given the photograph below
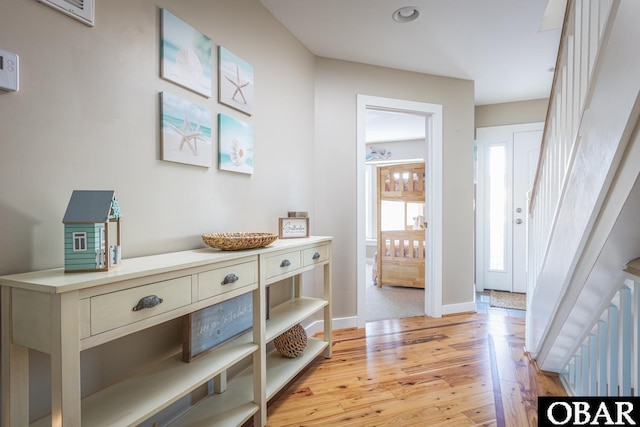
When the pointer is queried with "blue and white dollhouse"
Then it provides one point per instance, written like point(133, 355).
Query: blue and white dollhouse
point(87, 244)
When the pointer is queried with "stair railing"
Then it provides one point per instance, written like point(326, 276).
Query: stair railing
point(608, 361)
point(589, 164)
point(585, 22)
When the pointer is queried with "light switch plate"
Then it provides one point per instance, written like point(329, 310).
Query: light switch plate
point(9, 71)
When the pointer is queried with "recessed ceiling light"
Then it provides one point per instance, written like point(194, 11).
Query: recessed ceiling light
point(406, 14)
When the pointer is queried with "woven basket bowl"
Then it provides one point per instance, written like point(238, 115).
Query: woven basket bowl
point(292, 342)
point(238, 241)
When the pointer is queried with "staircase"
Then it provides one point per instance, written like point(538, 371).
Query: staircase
point(606, 364)
point(584, 221)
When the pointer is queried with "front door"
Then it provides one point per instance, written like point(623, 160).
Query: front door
point(507, 161)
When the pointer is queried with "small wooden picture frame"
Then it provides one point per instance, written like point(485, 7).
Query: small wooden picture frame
point(293, 228)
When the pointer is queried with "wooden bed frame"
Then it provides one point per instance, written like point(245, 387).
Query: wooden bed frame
point(400, 258)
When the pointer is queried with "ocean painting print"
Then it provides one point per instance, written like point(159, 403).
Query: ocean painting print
point(186, 131)
point(185, 55)
point(235, 146)
point(235, 81)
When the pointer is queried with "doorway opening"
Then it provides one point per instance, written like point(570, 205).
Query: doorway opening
point(396, 206)
point(431, 114)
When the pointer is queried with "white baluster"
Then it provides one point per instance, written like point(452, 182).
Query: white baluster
point(584, 370)
point(584, 53)
point(602, 357)
point(626, 340)
point(614, 353)
point(572, 374)
point(577, 104)
point(577, 388)
point(570, 105)
point(594, 34)
point(593, 365)
point(636, 340)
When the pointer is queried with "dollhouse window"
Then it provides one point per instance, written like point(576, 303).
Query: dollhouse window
point(79, 242)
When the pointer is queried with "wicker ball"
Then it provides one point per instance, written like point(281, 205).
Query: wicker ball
point(291, 342)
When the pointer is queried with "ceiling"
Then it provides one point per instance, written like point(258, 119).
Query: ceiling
point(496, 43)
point(390, 126)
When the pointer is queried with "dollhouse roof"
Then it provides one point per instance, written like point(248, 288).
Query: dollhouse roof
point(89, 206)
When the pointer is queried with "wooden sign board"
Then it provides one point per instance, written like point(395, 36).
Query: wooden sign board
point(210, 327)
point(291, 228)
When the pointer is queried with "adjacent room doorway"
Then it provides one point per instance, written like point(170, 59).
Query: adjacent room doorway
point(507, 161)
point(433, 213)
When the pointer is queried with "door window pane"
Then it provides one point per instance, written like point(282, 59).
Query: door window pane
point(497, 208)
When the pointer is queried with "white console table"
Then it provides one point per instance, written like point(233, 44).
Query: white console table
point(64, 313)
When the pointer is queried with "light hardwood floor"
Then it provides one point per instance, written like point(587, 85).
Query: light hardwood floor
point(459, 370)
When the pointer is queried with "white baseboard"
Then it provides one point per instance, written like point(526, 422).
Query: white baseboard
point(337, 323)
point(465, 307)
point(352, 322)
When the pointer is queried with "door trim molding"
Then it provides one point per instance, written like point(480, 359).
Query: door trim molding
point(433, 214)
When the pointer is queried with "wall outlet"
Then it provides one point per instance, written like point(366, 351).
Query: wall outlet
point(8, 71)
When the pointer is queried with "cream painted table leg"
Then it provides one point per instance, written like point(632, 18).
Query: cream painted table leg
point(15, 371)
point(328, 319)
point(297, 285)
point(260, 356)
point(65, 360)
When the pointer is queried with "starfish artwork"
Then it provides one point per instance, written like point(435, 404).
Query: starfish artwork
point(238, 84)
point(185, 131)
point(235, 81)
point(189, 135)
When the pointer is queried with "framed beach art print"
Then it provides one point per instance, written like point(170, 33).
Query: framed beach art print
point(235, 81)
point(235, 145)
point(185, 132)
point(185, 54)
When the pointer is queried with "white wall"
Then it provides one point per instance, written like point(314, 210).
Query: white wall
point(337, 85)
point(511, 113)
point(87, 117)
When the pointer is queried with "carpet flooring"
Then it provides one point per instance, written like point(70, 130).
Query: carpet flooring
point(396, 302)
point(392, 302)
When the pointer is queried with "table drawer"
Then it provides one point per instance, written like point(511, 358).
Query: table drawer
point(283, 263)
point(225, 279)
point(116, 309)
point(315, 255)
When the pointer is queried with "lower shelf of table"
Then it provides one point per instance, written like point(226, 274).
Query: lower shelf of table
point(227, 411)
point(280, 371)
point(135, 399)
point(291, 312)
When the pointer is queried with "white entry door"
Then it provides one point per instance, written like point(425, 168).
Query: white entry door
point(507, 161)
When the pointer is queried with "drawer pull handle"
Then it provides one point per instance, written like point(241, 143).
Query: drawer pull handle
point(316, 256)
point(285, 263)
point(230, 278)
point(147, 302)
